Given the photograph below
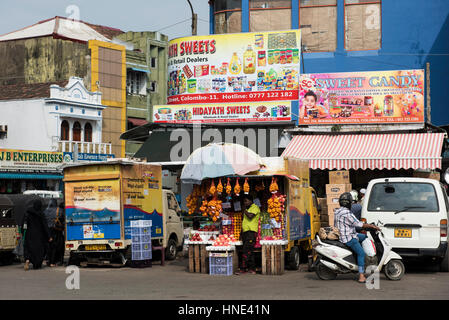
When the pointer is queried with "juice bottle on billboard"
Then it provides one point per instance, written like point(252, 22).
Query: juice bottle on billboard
point(388, 106)
point(295, 56)
point(261, 59)
point(270, 56)
point(249, 61)
point(234, 65)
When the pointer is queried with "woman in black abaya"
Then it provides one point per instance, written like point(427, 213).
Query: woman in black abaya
point(37, 235)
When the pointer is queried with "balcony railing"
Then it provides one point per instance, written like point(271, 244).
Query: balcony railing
point(85, 147)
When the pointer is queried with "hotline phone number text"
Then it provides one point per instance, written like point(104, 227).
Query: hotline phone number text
point(234, 97)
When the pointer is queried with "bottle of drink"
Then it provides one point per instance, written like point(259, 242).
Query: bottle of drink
point(249, 61)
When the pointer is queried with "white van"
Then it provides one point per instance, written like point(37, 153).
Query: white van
point(45, 193)
point(414, 212)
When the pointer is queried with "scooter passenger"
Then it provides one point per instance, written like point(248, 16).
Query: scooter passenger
point(346, 223)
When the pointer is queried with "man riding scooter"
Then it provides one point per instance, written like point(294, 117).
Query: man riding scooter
point(347, 223)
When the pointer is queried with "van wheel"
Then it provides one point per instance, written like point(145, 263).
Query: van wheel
point(171, 251)
point(294, 259)
point(444, 265)
point(394, 270)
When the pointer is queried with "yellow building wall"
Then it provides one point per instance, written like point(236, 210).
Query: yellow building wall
point(108, 75)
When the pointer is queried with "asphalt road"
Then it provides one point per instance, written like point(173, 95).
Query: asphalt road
point(173, 282)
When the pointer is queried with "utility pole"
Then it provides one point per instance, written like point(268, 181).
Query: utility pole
point(429, 119)
point(194, 19)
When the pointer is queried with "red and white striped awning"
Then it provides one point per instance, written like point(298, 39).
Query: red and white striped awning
point(368, 151)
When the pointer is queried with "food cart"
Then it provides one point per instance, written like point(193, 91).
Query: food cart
point(289, 214)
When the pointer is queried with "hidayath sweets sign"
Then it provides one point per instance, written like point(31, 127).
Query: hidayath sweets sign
point(225, 113)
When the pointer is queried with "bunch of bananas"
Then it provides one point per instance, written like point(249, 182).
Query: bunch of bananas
point(212, 188)
point(275, 208)
point(246, 186)
point(273, 186)
point(228, 187)
point(237, 188)
point(191, 203)
point(214, 208)
point(219, 187)
point(203, 208)
point(192, 199)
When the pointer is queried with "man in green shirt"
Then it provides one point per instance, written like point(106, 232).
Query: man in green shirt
point(250, 227)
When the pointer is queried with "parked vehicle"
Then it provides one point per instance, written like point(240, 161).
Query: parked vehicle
point(45, 193)
point(415, 213)
point(8, 230)
point(334, 257)
point(101, 201)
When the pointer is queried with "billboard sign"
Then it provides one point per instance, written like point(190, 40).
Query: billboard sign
point(362, 97)
point(224, 113)
point(241, 67)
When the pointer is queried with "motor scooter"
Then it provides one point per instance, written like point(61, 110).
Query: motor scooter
point(334, 257)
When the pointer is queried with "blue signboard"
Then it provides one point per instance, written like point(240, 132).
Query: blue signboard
point(68, 156)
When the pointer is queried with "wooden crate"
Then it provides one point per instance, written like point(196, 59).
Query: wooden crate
point(337, 177)
point(273, 259)
point(198, 258)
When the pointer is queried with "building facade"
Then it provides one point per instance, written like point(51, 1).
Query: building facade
point(146, 78)
point(354, 35)
point(58, 123)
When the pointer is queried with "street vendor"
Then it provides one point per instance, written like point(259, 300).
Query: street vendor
point(250, 227)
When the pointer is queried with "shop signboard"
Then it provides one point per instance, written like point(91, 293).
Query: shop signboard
point(241, 67)
point(68, 156)
point(376, 97)
point(275, 111)
point(30, 161)
point(93, 209)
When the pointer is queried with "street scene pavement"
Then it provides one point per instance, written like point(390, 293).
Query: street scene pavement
point(173, 282)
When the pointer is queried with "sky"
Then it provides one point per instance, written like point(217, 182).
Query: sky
point(170, 17)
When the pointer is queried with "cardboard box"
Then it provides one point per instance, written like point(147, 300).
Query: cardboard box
point(331, 221)
point(332, 198)
point(339, 177)
point(338, 188)
point(331, 208)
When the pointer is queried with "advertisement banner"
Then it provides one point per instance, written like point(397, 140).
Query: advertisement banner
point(241, 67)
point(93, 209)
point(30, 160)
point(224, 113)
point(362, 97)
point(142, 196)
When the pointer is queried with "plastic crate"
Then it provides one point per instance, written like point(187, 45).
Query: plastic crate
point(141, 255)
point(220, 270)
point(141, 247)
point(220, 264)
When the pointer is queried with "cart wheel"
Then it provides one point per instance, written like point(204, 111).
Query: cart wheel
point(294, 259)
point(394, 270)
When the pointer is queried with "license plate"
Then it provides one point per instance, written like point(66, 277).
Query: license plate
point(95, 247)
point(402, 233)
